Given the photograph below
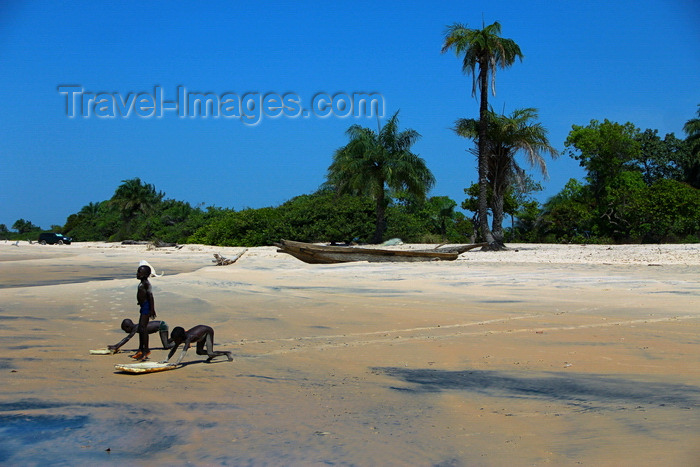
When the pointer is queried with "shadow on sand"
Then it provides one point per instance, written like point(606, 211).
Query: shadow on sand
point(588, 390)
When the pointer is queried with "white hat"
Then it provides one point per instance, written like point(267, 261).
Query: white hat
point(153, 270)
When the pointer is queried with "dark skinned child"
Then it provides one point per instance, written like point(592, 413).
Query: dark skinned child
point(202, 335)
point(153, 327)
point(147, 309)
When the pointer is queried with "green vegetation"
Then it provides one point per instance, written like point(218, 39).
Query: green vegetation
point(133, 198)
point(24, 227)
point(638, 187)
point(322, 216)
point(25, 231)
point(485, 49)
point(372, 162)
point(506, 137)
point(691, 167)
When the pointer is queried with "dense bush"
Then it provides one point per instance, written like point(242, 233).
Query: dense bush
point(323, 216)
point(326, 216)
point(667, 211)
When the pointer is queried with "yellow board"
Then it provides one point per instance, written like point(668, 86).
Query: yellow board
point(145, 367)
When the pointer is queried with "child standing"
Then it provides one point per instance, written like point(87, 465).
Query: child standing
point(144, 298)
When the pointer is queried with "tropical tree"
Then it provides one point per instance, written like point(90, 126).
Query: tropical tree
point(521, 205)
point(23, 226)
point(661, 158)
point(485, 49)
point(692, 129)
point(133, 197)
point(692, 166)
point(373, 162)
point(90, 210)
point(442, 210)
point(605, 150)
point(568, 215)
point(507, 136)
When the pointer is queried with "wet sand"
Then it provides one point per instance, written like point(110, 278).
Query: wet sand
point(548, 355)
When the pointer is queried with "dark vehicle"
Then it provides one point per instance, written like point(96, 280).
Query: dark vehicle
point(51, 238)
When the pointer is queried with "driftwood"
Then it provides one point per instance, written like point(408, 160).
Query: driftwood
point(221, 261)
point(134, 242)
point(160, 244)
point(153, 244)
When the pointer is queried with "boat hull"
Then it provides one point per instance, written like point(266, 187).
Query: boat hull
point(322, 254)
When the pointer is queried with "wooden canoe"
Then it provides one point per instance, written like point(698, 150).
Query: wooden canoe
point(327, 254)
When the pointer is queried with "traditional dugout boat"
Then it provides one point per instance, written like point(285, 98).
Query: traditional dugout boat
point(328, 254)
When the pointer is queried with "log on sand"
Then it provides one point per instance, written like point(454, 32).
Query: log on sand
point(222, 261)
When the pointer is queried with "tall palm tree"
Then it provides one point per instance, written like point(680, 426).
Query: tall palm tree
point(691, 168)
point(373, 162)
point(506, 137)
point(485, 49)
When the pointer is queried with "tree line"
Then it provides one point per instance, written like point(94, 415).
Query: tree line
point(138, 211)
point(638, 188)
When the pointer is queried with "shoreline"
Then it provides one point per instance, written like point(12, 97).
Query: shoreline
point(681, 253)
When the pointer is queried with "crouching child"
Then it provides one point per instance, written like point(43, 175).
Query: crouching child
point(201, 334)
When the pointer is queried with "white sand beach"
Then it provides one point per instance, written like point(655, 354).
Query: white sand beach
point(539, 355)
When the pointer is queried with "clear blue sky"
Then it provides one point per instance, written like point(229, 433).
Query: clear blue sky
point(628, 60)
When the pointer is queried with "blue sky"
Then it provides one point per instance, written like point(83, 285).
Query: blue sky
point(628, 60)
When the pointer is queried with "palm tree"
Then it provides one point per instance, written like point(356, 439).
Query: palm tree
point(443, 209)
point(691, 168)
point(373, 162)
point(692, 129)
point(133, 197)
point(506, 137)
point(90, 210)
point(485, 49)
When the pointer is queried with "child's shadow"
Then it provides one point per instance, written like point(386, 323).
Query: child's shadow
point(210, 362)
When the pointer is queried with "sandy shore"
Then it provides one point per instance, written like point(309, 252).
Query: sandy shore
point(540, 355)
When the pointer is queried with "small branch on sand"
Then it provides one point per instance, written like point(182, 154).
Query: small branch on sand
point(160, 244)
point(221, 261)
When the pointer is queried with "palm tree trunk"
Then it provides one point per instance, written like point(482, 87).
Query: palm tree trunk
point(381, 220)
point(483, 162)
point(497, 224)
